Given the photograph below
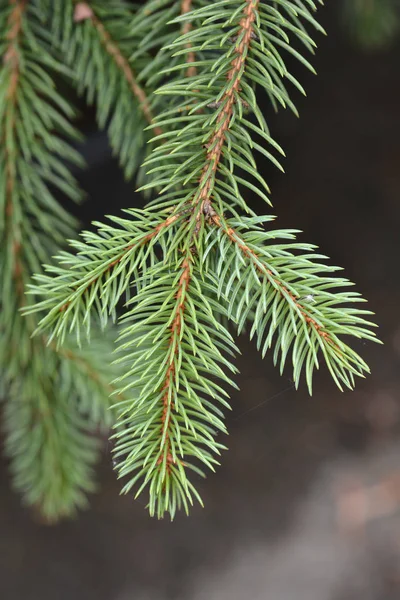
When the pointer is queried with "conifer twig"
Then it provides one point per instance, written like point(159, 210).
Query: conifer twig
point(211, 260)
point(202, 197)
point(11, 60)
point(173, 350)
point(263, 269)
point(167, 222)
point(83, 11)
point(187, 26)
point(54, 400)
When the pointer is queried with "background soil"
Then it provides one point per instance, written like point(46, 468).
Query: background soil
point(306, 504)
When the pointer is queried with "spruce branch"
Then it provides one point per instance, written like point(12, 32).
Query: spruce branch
point(84, 11)
point(52, 400)
point(172, 353)
point(98, 275)
point(48, 441)
point(197, 255)
point(96, 40)
point(279, 282)
point(11, 61)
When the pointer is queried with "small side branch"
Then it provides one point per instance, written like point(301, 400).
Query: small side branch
point(83, 11)
point(108, 267)
point(256, 259)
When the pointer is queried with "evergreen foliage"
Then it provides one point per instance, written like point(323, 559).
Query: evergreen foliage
point(56, 399)
point(181, 275)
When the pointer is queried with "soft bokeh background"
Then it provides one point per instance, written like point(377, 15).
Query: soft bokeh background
point(306, 504)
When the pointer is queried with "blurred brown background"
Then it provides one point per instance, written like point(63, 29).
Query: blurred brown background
point(306, 504)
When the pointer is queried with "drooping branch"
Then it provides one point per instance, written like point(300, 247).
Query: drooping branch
point(48, 442)
point(11, 61)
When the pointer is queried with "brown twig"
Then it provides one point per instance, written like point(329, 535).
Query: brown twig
point(83, 11)
point(205, 185)
point(186, 7)
point(216, 143)
point(11, 60)
point(175, 329)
